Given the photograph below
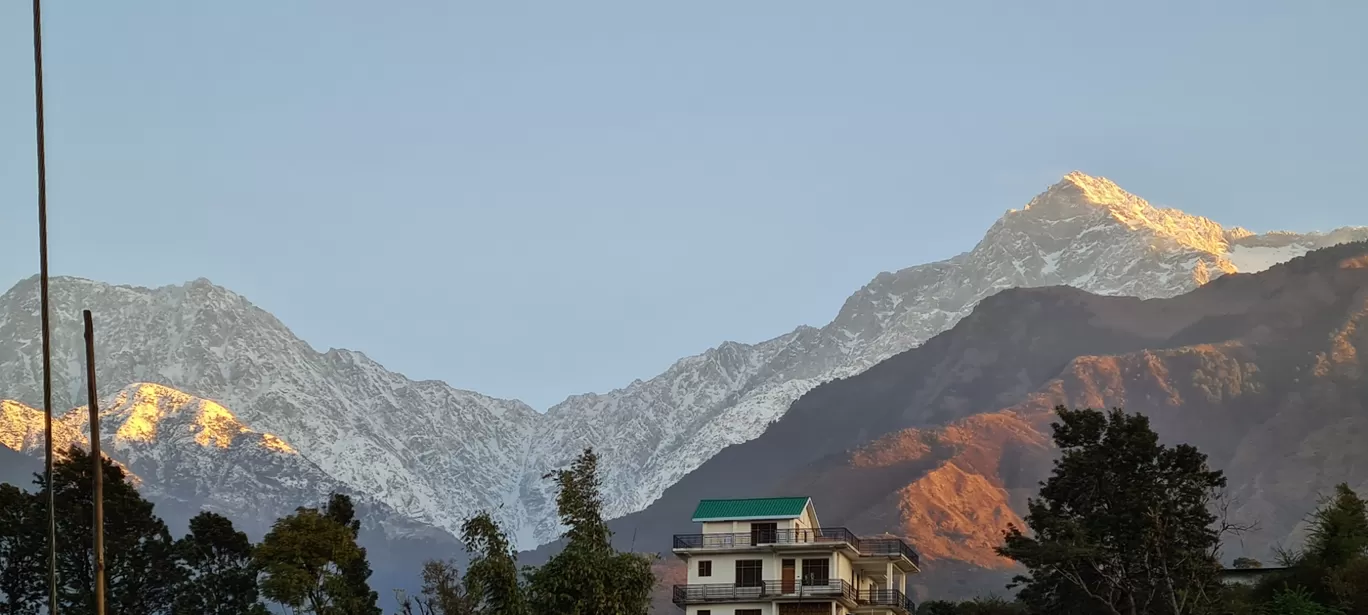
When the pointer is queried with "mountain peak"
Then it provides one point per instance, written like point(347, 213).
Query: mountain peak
point(1079, 193)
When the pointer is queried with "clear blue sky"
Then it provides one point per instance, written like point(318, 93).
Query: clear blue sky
point(539, 199)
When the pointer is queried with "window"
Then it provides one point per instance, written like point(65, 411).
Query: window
point(705, 612)
point(748, 573)
point(816, 571)
point(704, 570)
point(743, 612)
point(764, 533)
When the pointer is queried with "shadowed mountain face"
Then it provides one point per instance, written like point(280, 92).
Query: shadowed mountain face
point(944, 443)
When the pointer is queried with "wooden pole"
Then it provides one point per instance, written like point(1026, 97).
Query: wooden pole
point(43, 290)
point(98, 460)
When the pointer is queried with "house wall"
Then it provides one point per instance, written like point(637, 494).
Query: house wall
point(766, 608)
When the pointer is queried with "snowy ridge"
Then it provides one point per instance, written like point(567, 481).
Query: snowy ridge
point(184, 450)
point(434, 454)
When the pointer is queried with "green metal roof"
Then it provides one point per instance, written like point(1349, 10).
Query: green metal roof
point(755, 508)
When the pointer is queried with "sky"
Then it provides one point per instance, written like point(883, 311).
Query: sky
point(534, 200)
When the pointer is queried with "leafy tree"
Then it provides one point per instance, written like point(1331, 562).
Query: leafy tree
point(220, 577)
point(442, 594)
point(589, 577)
point(140, 568)
point(1339, 529)
point(491, 581)
point(22, 552)
point(1332, 568)
point(1246, 563)
point(359, 598)
point(1123, 525)
point(309, 564)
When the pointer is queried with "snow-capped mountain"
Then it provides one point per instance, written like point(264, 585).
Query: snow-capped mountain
point(429, 451)
point(436, 454)
point(188, 454)
point(1083, 231)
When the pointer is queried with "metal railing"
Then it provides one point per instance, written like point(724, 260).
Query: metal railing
point(888, 546)
point(829, 589)
point(766, 537)
point(891, 598)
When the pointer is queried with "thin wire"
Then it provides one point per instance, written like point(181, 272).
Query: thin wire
point(43, 290)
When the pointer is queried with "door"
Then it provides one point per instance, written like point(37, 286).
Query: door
point(788, 577)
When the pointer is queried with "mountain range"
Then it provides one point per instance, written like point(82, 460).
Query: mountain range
point(212, 402)
point(944, 443)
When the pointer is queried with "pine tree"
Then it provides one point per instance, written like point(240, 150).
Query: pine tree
point(589, 577)
point(220, 576)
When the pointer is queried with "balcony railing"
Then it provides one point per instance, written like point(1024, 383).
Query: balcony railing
point(762, 537)
point(829, 589)
point(888, 546)
point(828, 535)
point(890, 598)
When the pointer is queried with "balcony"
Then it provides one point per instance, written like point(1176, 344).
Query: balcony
point(888, 546)
point(869, 547)
point(827, 589)
point(885, 599)
point(762, 537)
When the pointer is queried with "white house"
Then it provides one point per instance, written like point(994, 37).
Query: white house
point(770, 556)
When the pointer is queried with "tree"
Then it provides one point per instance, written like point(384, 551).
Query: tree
point(140, 568)
point(1332, 567)
point(1123, 525)
point(491, 581)
point(442, 594)
point(1246, 563)
point(359, 599)
point(22, 552)
point(1297, 602)
point(309, 563)
point(589, 577)
point(220, 577)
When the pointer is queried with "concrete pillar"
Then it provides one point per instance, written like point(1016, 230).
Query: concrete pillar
point(902, 583)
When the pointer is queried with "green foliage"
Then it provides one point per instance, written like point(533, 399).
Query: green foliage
point(1332, 568)
point(992, 605)
point(140, 568)
point(1246, 563)
point(21, 552)
point(1297, 602)
point(492, 580)
point(1122, 526)
point(443, 593)
point(1339, 529)
point(589, 577)
point(220, 576)
point(309, 562)
point(358, 599)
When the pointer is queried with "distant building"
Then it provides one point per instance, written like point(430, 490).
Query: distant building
point(770, 556)
point(1247, 576)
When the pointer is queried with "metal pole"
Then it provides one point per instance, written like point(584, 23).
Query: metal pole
point(96, 458)
point(43, 290)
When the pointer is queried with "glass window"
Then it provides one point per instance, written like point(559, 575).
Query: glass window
point(816, 571)
point(748, 573)
point(705, 569)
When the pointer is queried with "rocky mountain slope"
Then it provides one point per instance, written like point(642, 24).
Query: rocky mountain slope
point(943, 443)
point(435, 454)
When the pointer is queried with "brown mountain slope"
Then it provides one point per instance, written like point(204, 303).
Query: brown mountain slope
point(945, 442)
